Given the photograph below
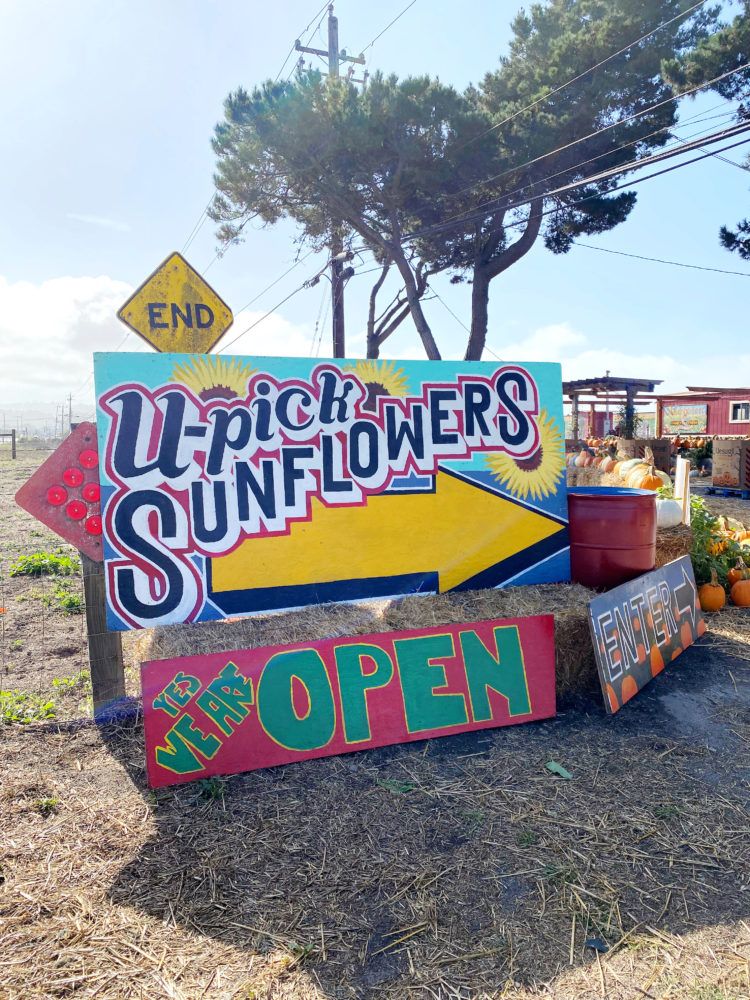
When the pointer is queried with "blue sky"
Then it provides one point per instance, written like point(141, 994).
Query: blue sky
point(105, 163)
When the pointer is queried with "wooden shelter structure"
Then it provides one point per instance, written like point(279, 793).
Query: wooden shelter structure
point(610, 392)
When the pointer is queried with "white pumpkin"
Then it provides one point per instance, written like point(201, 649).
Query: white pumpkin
point(668, 512)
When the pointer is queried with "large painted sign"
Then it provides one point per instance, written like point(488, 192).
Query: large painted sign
point(684, 418)
point(235, 485)
point(641, 626)
point(224, 713)
point(175, 309)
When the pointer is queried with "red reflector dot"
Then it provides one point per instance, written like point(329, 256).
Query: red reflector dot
point(57, 495)
point(72, 477)
point(76, 510)
point(89, 459)
point(90, 492)
point(93, 525)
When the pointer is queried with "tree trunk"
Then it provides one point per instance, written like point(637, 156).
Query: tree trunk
point(480, 297)
point(485, 270)
point(373, 344)
point(415, 307)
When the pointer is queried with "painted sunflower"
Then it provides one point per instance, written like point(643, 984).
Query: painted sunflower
point(538, 475)
point(382, 378)
point(212, 377)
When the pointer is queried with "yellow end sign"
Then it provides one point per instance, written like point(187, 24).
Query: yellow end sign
point(176, 311)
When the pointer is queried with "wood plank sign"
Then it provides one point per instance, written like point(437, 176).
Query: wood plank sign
point(641, 626)
point(224, 713)
point(234, 485)
point(175, 309)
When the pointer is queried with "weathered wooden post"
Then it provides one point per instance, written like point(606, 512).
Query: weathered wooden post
point(13, 444)
point(105, 647)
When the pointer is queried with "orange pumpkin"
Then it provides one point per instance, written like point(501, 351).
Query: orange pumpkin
point(712, 595)
point(741, 593)
point(741, 536)
point(645, 480)
point(607, 464)
point(738, 572)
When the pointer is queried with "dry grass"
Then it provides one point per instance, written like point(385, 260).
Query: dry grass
point(456, 868)
point(575, 665)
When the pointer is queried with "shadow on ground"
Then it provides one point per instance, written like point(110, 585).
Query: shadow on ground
point(462, 864)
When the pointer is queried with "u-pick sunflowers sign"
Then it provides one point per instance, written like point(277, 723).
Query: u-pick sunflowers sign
point(236, 485)
point(223, 713)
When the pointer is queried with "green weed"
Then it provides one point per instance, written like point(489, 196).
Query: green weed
point(55, 563)
point(17, 644)
point(23, 707)
point(527, 838)
point(667, 811)
point(395, 787)
point(45, 807)
point(211, 788)
point(81, 679)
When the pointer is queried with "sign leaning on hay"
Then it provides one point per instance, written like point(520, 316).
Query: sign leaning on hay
point(641, 626)
point(237, 485)
point(223, 713)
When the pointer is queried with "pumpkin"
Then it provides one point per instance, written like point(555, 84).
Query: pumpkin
point(741, 536)
point(738, 572)
point(668, 512)
point(629, 464)
point(711, 595)
point(647, 480)
point(741, 593)
point(581, 457)
point(607, 464)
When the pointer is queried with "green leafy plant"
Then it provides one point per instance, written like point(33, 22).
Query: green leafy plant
point(55, 563)
point(24, 707)
point(47, 806)
point(82, 679)
point(211, 788)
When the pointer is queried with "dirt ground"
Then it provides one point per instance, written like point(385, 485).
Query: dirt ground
point(459, 867)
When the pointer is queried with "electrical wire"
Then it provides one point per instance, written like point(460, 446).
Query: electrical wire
point(660, 260)
point(591, 69)
point(391, 23)
point(600, 131)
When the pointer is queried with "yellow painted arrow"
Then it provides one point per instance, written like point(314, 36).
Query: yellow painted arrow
point(457, 531)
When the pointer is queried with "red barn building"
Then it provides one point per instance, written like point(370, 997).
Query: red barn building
point(704, 410)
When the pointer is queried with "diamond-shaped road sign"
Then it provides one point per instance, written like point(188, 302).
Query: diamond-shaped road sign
point(176, 310)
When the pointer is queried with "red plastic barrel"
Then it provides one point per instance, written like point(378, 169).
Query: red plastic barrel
point(612, 534)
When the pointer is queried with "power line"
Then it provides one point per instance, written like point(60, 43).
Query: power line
point(476, 214)
point(659, 260)
point(580, 76)
point(276, 281)
point(322, 9)
point(391, 23)
point(600, 131)
point(305, 284)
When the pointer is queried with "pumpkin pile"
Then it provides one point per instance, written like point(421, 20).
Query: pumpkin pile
point(721, 558)
point(693, 443)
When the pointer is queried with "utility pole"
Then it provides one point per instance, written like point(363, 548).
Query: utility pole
point(338, 258)
point(70, 412)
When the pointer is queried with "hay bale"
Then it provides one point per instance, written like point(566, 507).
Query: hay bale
point(671, 543)
point(568, 602)
point(587, 476)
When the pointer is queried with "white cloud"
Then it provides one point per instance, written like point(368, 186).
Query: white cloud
point(49, 331)
point(582, 359)
point(100, 220)
point(273, 337)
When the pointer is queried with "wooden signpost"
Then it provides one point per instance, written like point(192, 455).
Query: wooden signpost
point(641, 626)
point(223, 713)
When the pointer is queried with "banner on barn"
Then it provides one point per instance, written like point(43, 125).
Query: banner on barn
point(223, 713)
point(684, 418)
point(641, 626)
point(232, 485)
